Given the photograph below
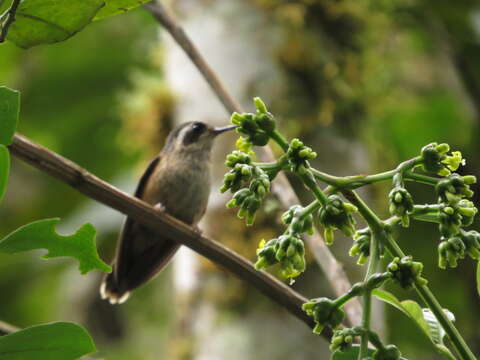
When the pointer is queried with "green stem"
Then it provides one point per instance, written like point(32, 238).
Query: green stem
point(279, 139)
point(367, 296)
point(374, 222)
point(309, 181)
point(424, 179)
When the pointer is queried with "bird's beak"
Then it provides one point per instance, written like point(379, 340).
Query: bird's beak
point(219, 130)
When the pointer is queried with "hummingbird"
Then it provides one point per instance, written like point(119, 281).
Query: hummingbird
point(176, 181)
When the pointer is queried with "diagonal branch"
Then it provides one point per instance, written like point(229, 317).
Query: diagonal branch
point(10, 18)
point(101, 191)
point(332, 269)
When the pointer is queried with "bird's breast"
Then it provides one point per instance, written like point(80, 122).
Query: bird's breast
point(182, 188)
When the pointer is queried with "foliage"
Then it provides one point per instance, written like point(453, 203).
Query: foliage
point(53, 341)
point(41, 234)
point(51, 21)
point(452, 212)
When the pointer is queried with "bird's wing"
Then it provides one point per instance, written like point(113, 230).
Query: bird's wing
point(133, 265)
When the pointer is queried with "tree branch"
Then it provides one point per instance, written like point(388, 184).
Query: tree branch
point(101, 191)
point(11, 12)
point(6, 328)
point(282, 188)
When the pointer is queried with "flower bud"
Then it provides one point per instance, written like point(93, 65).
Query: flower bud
point(389, 352)
point(401, 204)
point(436, 160)
point(406, 272)
point(336, 214)
point(298, 155)
point(324, 312)
point(361, 245)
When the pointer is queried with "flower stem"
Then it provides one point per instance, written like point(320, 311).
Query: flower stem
point(375, 223)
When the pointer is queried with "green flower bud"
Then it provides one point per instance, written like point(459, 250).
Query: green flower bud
point(336, 214)
point(471, 240)
point(266, 122)
point(467, 210)
point(450, 221)
point(401, 204)
point(324, 312)
point(291, 255)
point(389, 352)
point(260, 139)
point(453, 188)
point(237, 157)
point(342, 339)
point(298, 155)
point(260, 105)
point(361, 245)
point(297, 226)
point(436, 160)
point(406, 272)
point(266, 254)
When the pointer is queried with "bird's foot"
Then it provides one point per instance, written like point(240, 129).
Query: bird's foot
point(159, 207)
point(197, 230)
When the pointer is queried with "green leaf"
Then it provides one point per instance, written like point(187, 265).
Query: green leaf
point(478, 277)
point(9, 110)
point(41, 235)
point(115, 7)
point(4, 169)
point(416, 314)
point(53, 341)
point(352, 354)
point(51, 21)
point(423, 318)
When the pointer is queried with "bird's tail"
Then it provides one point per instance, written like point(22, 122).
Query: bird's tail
point(110, 291)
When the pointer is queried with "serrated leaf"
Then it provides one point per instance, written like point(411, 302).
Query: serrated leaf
point(4, 170)
point(115, 7)
point(51, 21)
point(414, 311)
point(52, 341)
point(41, 235)
point(9, 111)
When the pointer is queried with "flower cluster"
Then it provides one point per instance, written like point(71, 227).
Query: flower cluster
point(298, 155)
point(256, 127)
point(288, 250)
point(454, 213)
point(406, 272)
point(325, 312)
point(435, 159)
point(337, 214)
point(342, 339)
point(248, 199)
point(297, 223)
point(456, 247)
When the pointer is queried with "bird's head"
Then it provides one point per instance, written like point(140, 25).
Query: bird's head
point(193, 137)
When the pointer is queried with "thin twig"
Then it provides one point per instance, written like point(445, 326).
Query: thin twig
point(9, 21)
point(101, 191)
point(332, 269)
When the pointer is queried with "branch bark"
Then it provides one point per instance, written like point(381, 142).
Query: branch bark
point(103, 192)
point(282, 188)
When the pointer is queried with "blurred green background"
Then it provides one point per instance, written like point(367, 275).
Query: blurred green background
point(365, 83)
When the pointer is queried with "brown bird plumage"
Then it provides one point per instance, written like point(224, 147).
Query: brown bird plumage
point(176, 181)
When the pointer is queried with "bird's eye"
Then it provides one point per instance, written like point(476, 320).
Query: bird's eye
point(198, 127)
point(194, 133)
